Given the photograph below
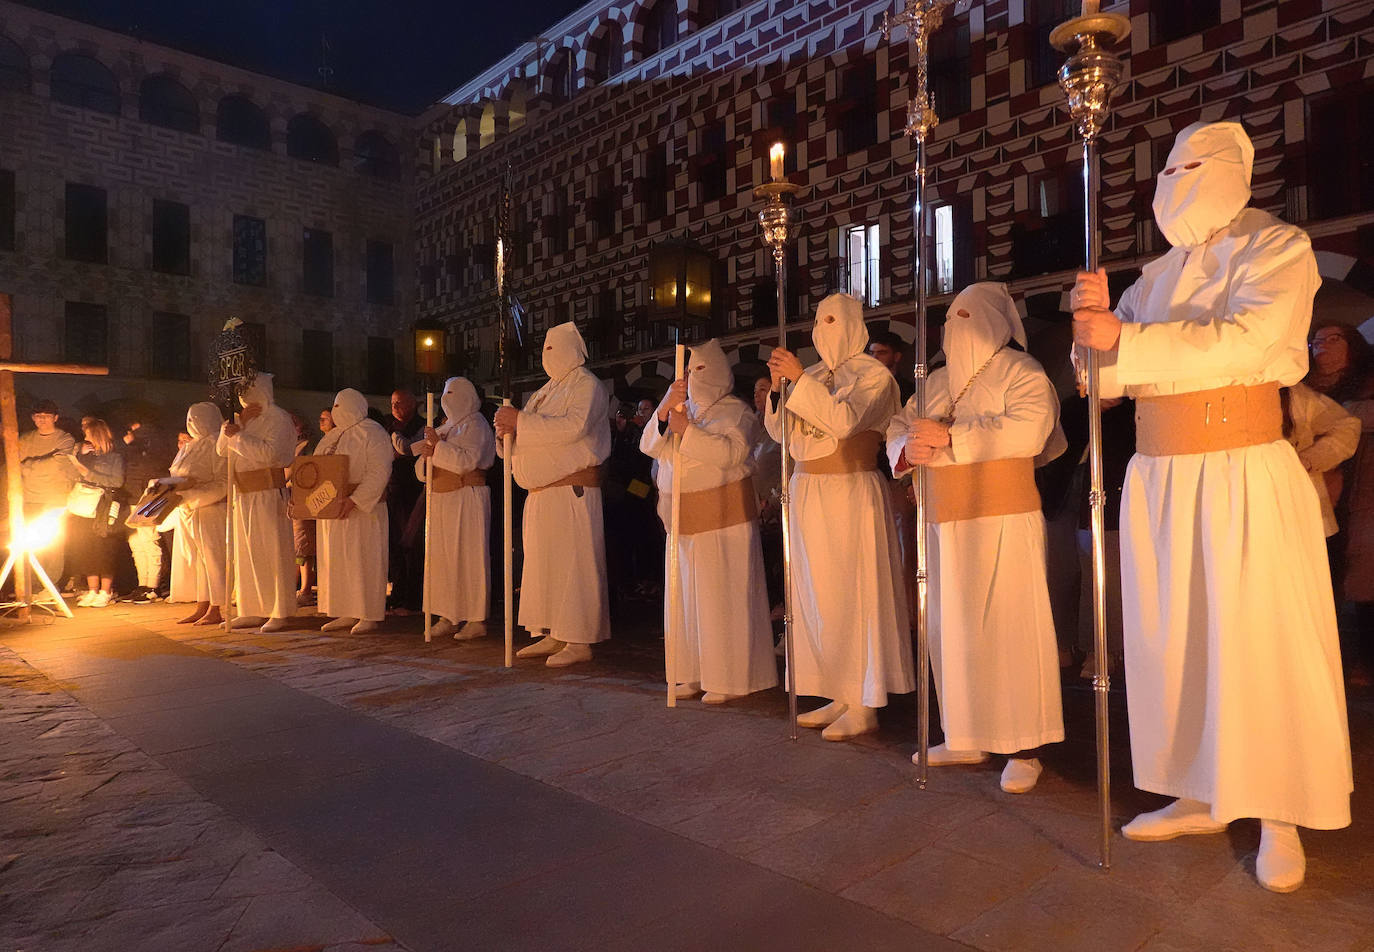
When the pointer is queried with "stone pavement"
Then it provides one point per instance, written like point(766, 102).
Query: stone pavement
point(166, 788)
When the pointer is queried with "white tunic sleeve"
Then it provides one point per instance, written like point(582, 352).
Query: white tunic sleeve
point(840, 418)
point(566, 426)
point(377, 453)
point(1020, 430)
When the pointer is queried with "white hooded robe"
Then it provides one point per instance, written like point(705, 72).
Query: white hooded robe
point(851, 628)
point(562, 430)
point(352, 551)
point(725, 640)
point(199, 539)
point(1233, 668)
point(992, 642)
point(264, 549)
point(460, 521)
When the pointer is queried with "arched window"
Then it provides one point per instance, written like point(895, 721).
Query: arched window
point(308, 138)
point(83, 81)
point(608, 49)
point(14, 67)
point(239, 121)
point(164, 102)
point(562, 77)
point(660, 27)
point(460, 140)
point(374, 155)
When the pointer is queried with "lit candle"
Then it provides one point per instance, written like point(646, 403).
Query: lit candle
point(775, 157)
point(1090, 7)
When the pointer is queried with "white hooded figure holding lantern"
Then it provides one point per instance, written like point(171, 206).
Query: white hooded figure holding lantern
point(852, 643)
point(461, 451)
point(726, 641)
point(992, 416)
point(560, 441)
point(1233, 670)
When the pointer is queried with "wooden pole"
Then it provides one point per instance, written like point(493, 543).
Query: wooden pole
point(229, 536)
point(428, 464)
point(9, 424)
point(89, 370)
point(674, 626)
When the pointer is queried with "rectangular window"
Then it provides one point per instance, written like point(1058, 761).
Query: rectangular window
point(171, 237)
point(1340, 151)
point(7, 210)
point(86, 334)
point(381, 273)
point(1174, 21)
point(317, 363)
point(943, 282)
point(715, 157)
point(950, 71)
point(656, 183)
point(1042, 17)
point(87, 224)
point(858, 117)
point(250, 251)
point(255, 335)
point(1051, 239)
point(607, 201)
point(784, 126)
point(169, 346)
point(317, 262)
point(381, 365)
point(859, 263)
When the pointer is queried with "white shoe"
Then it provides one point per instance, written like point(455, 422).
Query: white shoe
point(1180, 818)
point(715, 697)
point(338, 624)
point(101, 600)
point(274, 624)
point(571, 654)
point(86, 598)
point(547, 645)
point(853, 722)
point(684, 691)
point(248, 621)
point(1281, 864)
point(822, 716)
point(441, 627)
point(362, 627)
point(942, 756)
point(471, 631)
point(1020, 775)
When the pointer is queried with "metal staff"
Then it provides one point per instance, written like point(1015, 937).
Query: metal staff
point(230, 500)
point(1089, 79)
point(921, 18)
point(779, 219)
point(428, 465)
point(507, 442)
point(674, 537)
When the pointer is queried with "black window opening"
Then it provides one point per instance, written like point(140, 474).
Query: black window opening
point(1174, 21)
point(85, 82)
point(764, 293)
point(608, 324)
point(785, 126)
point(239, 121)
point(1042, 17)
point(1340, 152)
point(162, 101)
point(609, 52)
point(949, 230)
point(375, 155)
point(310, 139)
point(656, 183)
point(559, 225)
point(250, 251)
point(87, 221)
point(85, 334)
point(950, 73)
point(660, 27)
point(171, 237)
point(8, 210)
point(714, 159)
point(14, 67)
point(562, 78)
point(1051, 239)
point(317, 262)
point(858, 107)
point(381, 273)
point(254, 335)
point(605, 204)
point(381, 365)
point(317, 360)
point(709, 11)
point(169, 346)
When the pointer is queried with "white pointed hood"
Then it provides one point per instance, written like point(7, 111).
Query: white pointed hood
point(350, 407)
point(840, 332)
point(259, 391)
point(982, 318)
point(459, 399)
point(564, 350)
point(709, 377)
point(203, 420)
point(1193, 203)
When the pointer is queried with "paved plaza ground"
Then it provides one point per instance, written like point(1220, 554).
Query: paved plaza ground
point(177, 789)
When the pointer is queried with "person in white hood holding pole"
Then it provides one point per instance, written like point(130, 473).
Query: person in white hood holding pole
point(460, 453)
point(263, 444)
point(352, 549)
point(853, 640)
point(726, 642)
point(993, 414)
point(199, 520)
point(1233, 672)
point(560, 441)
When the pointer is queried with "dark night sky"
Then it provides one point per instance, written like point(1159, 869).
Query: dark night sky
point(402, 54)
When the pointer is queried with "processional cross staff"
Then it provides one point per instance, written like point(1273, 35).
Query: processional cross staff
point(233, 368)
point(510, 332)
point(21, 557)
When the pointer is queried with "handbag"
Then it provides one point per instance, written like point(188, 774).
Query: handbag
point(84, 499)
point(155, 505)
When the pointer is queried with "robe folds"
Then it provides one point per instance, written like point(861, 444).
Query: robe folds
point(460, 521)
point(352, 551)
point(198, 543)
point(264, 549)
point(992, 639)
point(725, 639)
point(1233, 668)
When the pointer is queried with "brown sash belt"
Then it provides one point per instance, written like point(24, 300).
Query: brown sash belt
point(1225, 418)
point(259, 480)
point(591, 476)
point(857, 454)
point(447, 481)
point(718, 508)
point(995, 487)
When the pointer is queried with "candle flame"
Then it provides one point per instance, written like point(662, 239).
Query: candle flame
point(777, 151)
point(38, 534)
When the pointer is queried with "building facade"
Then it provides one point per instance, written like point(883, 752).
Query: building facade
point(634, 129)
point(147, 195)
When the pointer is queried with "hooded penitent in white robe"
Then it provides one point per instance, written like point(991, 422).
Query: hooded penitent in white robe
point(199, 520)
point(725, 640)
point(992, 644)
point(561, 430)
point(460, 559)
point(352, 551)
point(264, 550)
point(851, 631)
point(1232, 664)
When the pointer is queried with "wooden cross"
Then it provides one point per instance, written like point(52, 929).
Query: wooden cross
point(9, 430)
